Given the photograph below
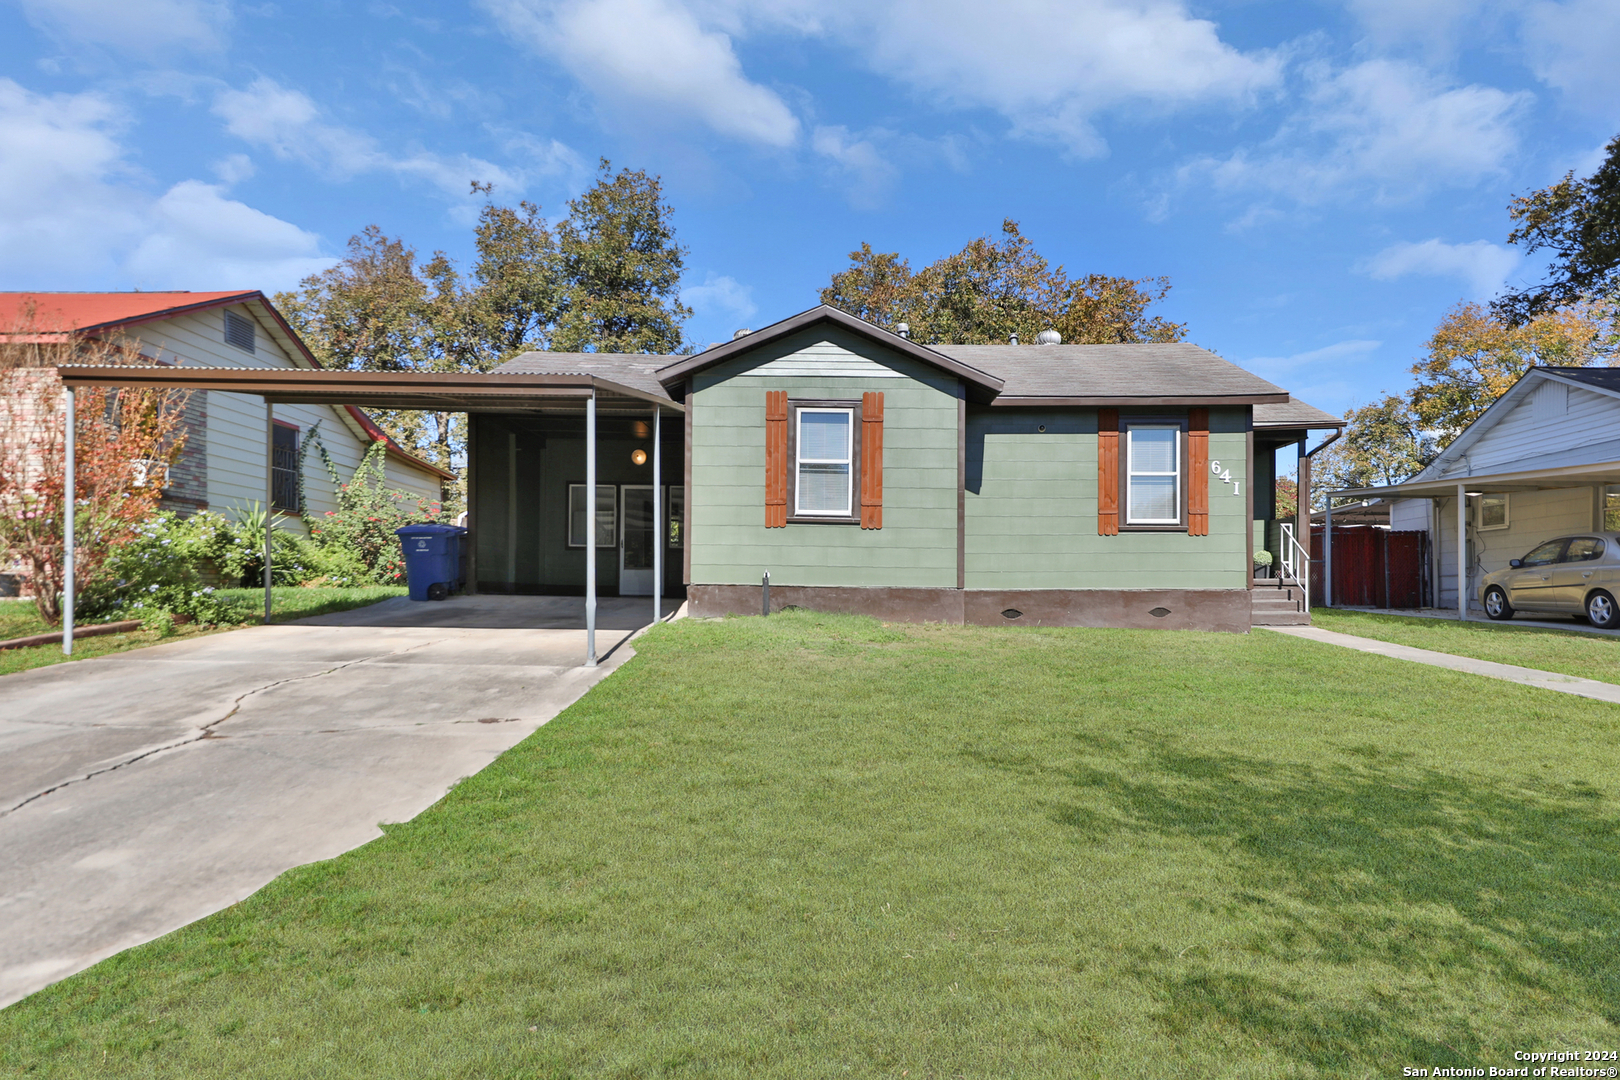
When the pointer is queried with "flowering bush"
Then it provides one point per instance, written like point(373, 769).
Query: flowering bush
point(362, 527)
point(155, 571)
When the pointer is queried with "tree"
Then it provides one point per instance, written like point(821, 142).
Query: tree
point(621, 268)
point(989, 291)
point(606, 280)
point(1384, 443)
point(1474, 356)
point(123, 441)
point(1579, 221)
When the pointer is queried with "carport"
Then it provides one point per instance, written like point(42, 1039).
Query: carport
point(1439, 490)
point(525, 394)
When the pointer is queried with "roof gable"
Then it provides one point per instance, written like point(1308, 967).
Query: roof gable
point(981, 385)
point(1531, 420)
point(58, 313)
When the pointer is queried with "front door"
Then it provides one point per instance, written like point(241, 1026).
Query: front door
point(1531, 586)
point(636, 542)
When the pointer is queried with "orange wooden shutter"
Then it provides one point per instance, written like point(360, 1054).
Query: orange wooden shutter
point(1107, 472)
point(776, 458)
point(1198, 467)
point(872, 461)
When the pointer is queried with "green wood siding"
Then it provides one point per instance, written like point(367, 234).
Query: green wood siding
point(916, 548)
point(1031, 517)
point(1031, 505)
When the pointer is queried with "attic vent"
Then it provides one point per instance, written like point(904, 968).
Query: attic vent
point(1551, 401)
point(239, 331)
point(1012, 613)
point(1159, 612)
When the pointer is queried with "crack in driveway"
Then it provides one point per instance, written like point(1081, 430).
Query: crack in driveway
point(206, 731)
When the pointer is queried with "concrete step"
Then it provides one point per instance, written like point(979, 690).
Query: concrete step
point(1280, 618)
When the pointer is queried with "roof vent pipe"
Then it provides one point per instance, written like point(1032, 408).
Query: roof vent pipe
point(744, 332)
point(904, 330)
point(1012, 339)
point(1049, 337)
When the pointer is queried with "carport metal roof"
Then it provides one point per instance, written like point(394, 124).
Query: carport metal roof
point(441, 392)
point(568, 393)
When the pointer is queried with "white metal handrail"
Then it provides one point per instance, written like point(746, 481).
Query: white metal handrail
point(1296, 562)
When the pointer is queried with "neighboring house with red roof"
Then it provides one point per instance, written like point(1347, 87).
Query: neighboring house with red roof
point(222, 467)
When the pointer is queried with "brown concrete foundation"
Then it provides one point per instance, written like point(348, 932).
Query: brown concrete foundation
point(1226, 610)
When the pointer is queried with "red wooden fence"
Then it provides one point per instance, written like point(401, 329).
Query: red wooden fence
point(1373, 567)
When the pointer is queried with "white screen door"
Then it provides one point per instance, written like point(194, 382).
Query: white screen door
point(636, 542)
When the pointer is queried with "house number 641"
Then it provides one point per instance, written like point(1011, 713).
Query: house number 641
point(1225, 476)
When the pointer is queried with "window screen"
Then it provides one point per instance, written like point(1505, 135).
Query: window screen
point(607, 515)
point(1153, 455)
point(239, 331)
point(284, 467)
point(824, 443)
point(1493, 511)
point(1611, 508)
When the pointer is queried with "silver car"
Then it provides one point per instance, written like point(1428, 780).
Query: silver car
point(1573, 575)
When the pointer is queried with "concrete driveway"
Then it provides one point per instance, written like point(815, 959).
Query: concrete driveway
point(142, 791)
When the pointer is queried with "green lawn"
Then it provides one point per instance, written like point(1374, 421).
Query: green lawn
point(19, 618)
point(1568, 652)
point(820, 847)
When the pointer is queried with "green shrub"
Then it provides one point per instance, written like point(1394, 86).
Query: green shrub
point(158, 570)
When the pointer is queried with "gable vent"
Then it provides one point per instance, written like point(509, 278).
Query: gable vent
point(240, 331)
point(1551, 401)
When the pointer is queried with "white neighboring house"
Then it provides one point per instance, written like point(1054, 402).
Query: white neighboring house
point(1542, 462)
point(222, 467)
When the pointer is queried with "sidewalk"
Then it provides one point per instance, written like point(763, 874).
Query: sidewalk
point(1476, 614)
point(1546, 680)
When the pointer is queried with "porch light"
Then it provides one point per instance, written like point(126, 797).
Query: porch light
point(639, 457)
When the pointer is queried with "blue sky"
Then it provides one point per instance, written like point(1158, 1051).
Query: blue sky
point(1319, 181)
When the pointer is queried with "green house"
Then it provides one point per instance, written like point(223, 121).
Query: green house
point(856, 470)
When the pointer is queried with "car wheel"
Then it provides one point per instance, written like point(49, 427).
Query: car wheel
point(1601, 611)
point(1496, 603)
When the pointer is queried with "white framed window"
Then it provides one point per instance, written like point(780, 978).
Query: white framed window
point(1153, 474)
point(825, 443)
point(1493, 511)
point(607, 516)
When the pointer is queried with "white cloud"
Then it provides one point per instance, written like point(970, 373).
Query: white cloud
point(1048, 66)
point(202, 240)
point(1382, 125)
point(148, 27)
point(1575, 47)
point(1051, 66)
point(720, 297)
point(1483, 265)
point(866, 175)
point(654, 58)
point(290, 125)
point(1329, 378)
point(74, 214)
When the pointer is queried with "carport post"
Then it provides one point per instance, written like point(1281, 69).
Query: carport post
point(590, 529)
point(70, 490)
point(658, 517)
point(269, 495)
point(1462, 551)
point(1327, 552)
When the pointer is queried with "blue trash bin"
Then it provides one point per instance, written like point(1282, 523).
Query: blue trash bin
point(432, 559)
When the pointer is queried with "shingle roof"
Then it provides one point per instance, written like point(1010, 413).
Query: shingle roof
point(635, 370)
point(1294, 413)
point(1111, 371)
point(1602, 378)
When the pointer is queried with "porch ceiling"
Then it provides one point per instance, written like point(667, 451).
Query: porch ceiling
point(441, 392)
